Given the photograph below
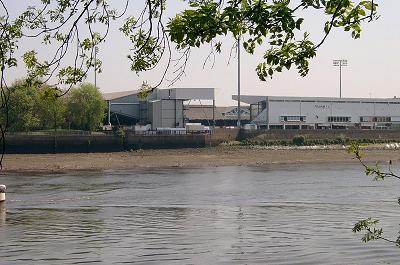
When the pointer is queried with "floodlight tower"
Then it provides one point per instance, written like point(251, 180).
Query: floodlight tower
point(238, 82)
point(340, 63)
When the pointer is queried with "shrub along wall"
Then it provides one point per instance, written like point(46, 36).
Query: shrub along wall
point(276, 135)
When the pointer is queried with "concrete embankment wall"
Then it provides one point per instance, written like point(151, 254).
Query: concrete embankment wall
point(165, 141)
point(220, 135)
point(40, 144)
point(22, 143)
point(273, 135)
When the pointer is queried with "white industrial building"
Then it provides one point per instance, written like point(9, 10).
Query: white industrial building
point(273, 112)
point(163, 108)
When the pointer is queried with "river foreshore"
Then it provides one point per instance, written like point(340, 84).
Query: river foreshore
point(190, 158)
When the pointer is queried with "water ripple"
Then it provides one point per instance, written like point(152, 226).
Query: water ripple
point(227, 215)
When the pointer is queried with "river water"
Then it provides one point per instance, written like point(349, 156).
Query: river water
point(300, 214)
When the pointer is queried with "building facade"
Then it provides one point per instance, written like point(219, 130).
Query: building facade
point(272, 112)
point(163, 108)
point(219, 116)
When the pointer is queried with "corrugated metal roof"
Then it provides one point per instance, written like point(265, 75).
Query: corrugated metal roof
point(114, 95)
point(170, 93)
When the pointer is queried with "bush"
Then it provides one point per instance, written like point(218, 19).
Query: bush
point(120, 132)
point(86, 107)
point(298, 140)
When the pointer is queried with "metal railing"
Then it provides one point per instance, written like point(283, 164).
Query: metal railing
point(132, 132)
point(58, 133)
point(168, 132)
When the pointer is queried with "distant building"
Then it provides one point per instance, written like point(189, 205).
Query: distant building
point(273, 112)
point(224, 116)
point(122, 108)
point(163, 108)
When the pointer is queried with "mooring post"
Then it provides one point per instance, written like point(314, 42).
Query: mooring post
point(2, 193)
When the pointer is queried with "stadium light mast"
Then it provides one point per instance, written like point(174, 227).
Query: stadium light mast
point(340, 63)
point(238, 83)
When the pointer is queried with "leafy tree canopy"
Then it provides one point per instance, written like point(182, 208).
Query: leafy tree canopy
point(51, 109)
point(86, 107)
point(32, 107)
point(22, 115)
point(274, 25)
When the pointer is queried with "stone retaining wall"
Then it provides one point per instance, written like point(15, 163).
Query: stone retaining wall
point(40, 144)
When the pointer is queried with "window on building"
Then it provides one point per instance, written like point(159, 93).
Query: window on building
point(375, 119)
point(339, 119)
point(293, 118)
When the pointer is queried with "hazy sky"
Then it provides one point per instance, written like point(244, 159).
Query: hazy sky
point(373, 69)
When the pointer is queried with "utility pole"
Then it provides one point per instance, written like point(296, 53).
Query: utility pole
point(340, 63)
point(238, 83)
point(96, 51)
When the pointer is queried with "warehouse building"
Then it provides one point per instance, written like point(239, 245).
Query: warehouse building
point(272, 112)
point(163, 108)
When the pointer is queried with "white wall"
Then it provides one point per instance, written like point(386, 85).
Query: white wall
point(319, 111)
point(164, 113)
